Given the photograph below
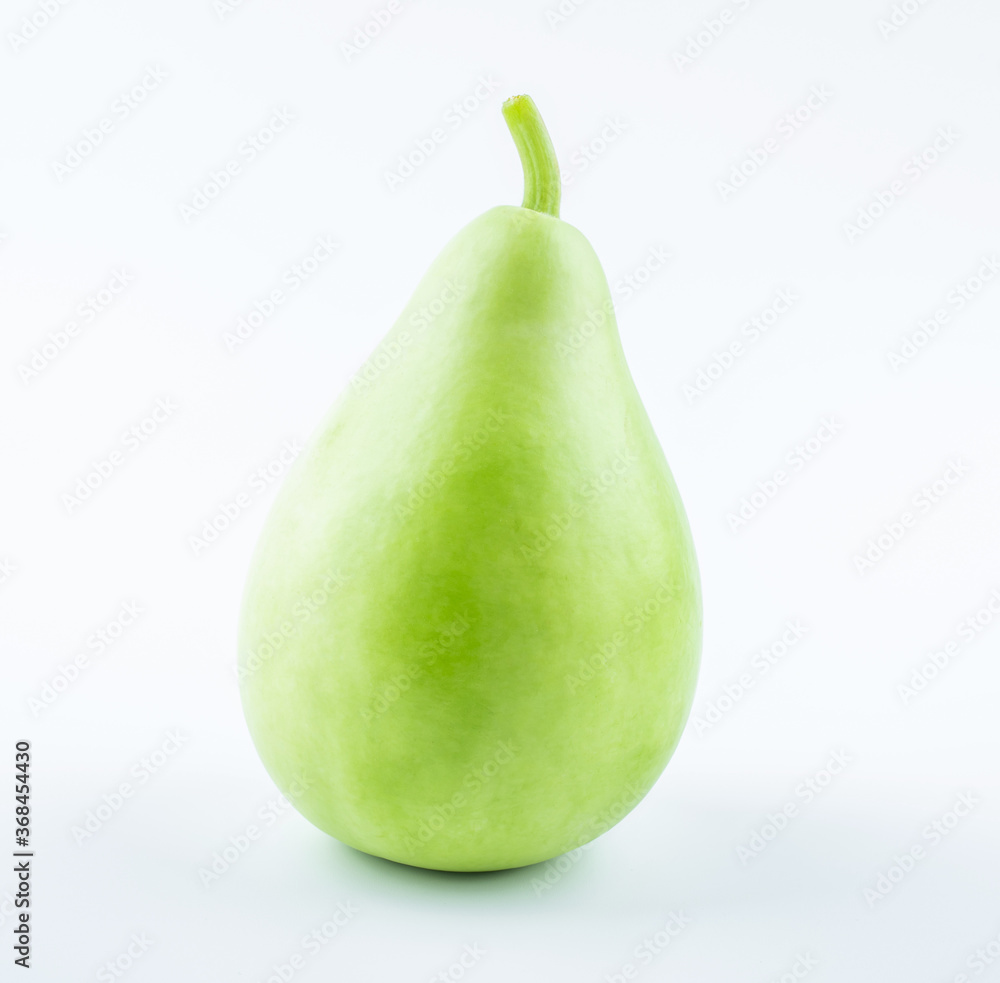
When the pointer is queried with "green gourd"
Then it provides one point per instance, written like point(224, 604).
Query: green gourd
point(471, 630)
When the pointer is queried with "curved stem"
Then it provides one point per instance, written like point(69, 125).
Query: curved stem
point(542, 183)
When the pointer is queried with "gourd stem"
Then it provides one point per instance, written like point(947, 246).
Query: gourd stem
point(542, 183)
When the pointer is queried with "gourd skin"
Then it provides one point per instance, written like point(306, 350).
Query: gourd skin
point(471, 632)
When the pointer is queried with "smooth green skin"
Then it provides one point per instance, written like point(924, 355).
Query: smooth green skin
point(471, 632)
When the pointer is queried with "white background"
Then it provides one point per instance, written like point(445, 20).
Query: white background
point(802, 899)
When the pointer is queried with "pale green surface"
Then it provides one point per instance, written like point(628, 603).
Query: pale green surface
point(448, 529)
